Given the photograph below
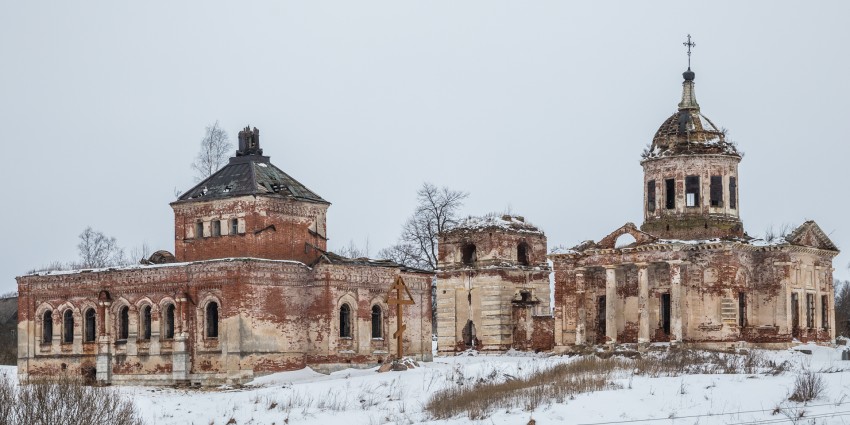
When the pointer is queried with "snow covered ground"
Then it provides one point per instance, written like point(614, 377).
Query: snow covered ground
point(366, 397)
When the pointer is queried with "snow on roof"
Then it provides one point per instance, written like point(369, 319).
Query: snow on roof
point(156, 266)
point(505, 221)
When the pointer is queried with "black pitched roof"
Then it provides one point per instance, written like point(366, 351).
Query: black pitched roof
point(250, 175)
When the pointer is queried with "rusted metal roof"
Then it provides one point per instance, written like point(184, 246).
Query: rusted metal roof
point(250, 175)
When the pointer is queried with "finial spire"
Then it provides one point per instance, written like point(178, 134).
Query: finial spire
point(689, 44)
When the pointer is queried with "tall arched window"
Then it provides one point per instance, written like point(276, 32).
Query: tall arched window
point(90, 319)
point(345, 321)
point(146, 322)
point(522, 254)
point(68, 326)
point(47, 327)
point(124, 323)
point(468, 254)
point(169, 321)
point(377, 322)
point(212, 320)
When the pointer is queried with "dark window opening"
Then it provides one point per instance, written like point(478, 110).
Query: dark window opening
point(124, 323)
point(91, 325)
point(234, 226)
point(824, 309)
point(68, 324)
point(468, 254)
point(650, 196)
point(692, 191)
point(795, 314)
point(376, 322)
point(216, 228)
point(169, 321)
point(601, 306)
point(468, 334)
point(716, 191)
point(345, 321)
point(199, 229)
point(670, 194)
point(522, 254)
point(665, 313)
point(733, 192)
point(810, 311)
point(742, 309)
point(212, 320)
point(525, 296)
point(146, 322)
point(47, 327)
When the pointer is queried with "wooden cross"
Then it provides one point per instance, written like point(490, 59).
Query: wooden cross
point(399, 301)
point(689, 44)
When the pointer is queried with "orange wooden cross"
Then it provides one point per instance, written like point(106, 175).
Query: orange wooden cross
point(398, 302)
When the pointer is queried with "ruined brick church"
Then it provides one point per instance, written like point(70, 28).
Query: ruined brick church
point(688, 275)
point(249, 290)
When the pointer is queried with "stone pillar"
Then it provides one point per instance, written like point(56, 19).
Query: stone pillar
point(581, 311)
point(676, 301)
point(643, 303)
point(610, 302)
point(103, 363)
point(180, 362)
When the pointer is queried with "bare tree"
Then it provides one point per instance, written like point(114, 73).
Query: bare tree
point(353, 251)
point(215, 149)
point(140, 253)
point(842, 307)
point(97, 250)
point(435, 212)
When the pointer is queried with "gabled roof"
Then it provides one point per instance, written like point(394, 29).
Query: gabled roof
point(250, 175)
point(809, 234)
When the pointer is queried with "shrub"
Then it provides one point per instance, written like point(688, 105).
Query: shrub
point(808, 386)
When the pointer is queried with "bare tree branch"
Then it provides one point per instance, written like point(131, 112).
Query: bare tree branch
point(215, 149)
point(97, 250)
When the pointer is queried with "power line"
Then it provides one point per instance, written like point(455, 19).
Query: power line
point(713, 414)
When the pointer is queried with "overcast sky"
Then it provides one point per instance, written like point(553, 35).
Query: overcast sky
point(540, 107)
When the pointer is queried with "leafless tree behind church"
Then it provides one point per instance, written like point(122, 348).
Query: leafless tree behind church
point(215, 149)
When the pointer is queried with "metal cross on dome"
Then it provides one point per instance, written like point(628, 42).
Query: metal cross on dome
point(689, 44)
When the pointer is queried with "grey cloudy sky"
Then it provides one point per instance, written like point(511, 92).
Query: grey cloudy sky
point(542, 107)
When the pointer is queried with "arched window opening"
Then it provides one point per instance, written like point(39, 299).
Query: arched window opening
point(468, 334)
point(376, 322)
point(68, 326)
point(212, 320)
point(468, 254)
point(47, 327)
point(90, 318)
point(146, 322)
point(124, 323)
point(522, 254)
point(169, 321)
point(345, 321)
point(624, 240)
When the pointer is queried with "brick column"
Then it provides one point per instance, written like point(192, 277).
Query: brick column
point(581, 311)
point(676, 301)
point(103, 362)
point(643, 303)
point(610, 299)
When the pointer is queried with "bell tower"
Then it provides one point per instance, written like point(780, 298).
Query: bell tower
point(691, 175)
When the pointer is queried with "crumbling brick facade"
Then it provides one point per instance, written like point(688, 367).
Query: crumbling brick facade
point(492, 286)
point(251, 291)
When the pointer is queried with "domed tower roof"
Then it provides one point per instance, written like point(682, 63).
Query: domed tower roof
point(688, 131)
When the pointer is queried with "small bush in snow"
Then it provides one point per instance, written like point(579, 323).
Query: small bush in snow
point(808, 386)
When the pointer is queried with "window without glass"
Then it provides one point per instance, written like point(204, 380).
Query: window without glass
point(522, 254)
point(68, 327)
point(345, 321)
point(168, 321)
point(716, 191)
point(47, 327)
point(670, 194)
point(212, 320)
point(824, 309)
point(234, 226)
point(199, 229)
point(376, 322)
point(90, 319)
point(810, 310)
point(733, 192)
point(650, 195)
point(146, 322)
point(742, 309)
point(468, 254)
point(216, 228)
point(691, 191)
point(124, 323)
